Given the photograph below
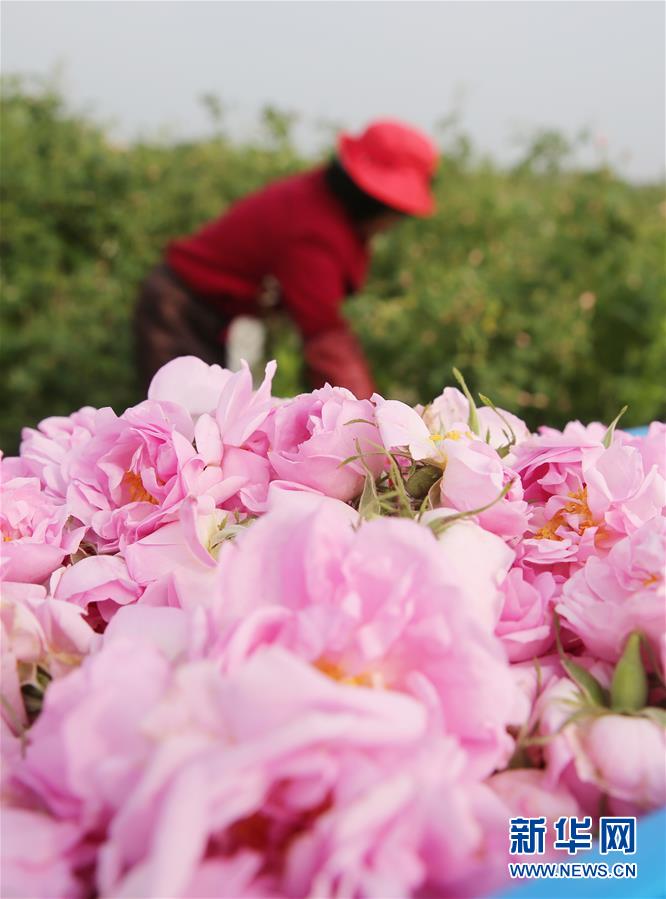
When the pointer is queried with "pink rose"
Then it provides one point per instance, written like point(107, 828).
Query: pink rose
point(232, 440)
point(420, 430)
point(234, 769)
point(49, 449)
point(36, 532)
point(402, 427)
point(278, 761)
point(652, 447)
point(191, 383)
point(289, 782)
point(529, 795)
point(624, 591)
point(37, 631)
point(526, 620)
point(177, 562)
point(621, 756)
point(621, 494)
point(550, 463)
point(42, 856)
point(517, 792)
point(175, 633)
point(624, 757)
point(241, 411)
point(478, 561)
point(380, 605)
point(474, 476)
point(102, 580)
point(552, 710)
point(134, 475)
point(451, 407)
point(312, 435)
point(252, 471)
point(88, 746)
point(584, 497)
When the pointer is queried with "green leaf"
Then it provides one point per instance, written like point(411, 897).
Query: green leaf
point(608, 436)
point(629, 687)
point(473, 420)
point(588, 685)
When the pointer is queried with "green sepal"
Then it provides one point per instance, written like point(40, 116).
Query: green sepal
point(629, 687)
point(510, 435)
point(608, 436)
point(369, 505)
point(586, 683)
point(439, 525)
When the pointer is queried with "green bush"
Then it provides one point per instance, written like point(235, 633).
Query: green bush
point(544, 284)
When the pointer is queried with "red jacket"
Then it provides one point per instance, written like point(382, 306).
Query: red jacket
point(296, 231)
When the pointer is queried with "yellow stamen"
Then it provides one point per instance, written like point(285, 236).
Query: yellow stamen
point(578, 507)
point(136, 491)
point(450, 435)
point(336, 673)
point(652, 579)
point(548, 531)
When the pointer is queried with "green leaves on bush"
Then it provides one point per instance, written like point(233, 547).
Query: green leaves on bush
point(545, 286)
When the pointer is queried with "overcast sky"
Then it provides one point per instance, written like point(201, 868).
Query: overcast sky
point(507, 66)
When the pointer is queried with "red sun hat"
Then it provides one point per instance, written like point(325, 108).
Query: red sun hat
point(392, 162)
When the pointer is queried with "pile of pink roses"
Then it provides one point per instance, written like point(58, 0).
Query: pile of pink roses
point(321, 646)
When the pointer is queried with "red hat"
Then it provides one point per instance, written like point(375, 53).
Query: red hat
point(392, 162)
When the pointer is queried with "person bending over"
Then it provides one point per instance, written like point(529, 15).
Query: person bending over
point(301, 244)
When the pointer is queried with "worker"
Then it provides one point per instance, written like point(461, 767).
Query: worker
point(301, 244)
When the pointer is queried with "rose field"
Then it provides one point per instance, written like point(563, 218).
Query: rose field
point(321, 646)
point(261, 641)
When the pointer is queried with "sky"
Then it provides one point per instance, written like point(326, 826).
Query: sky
point(506, 68)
